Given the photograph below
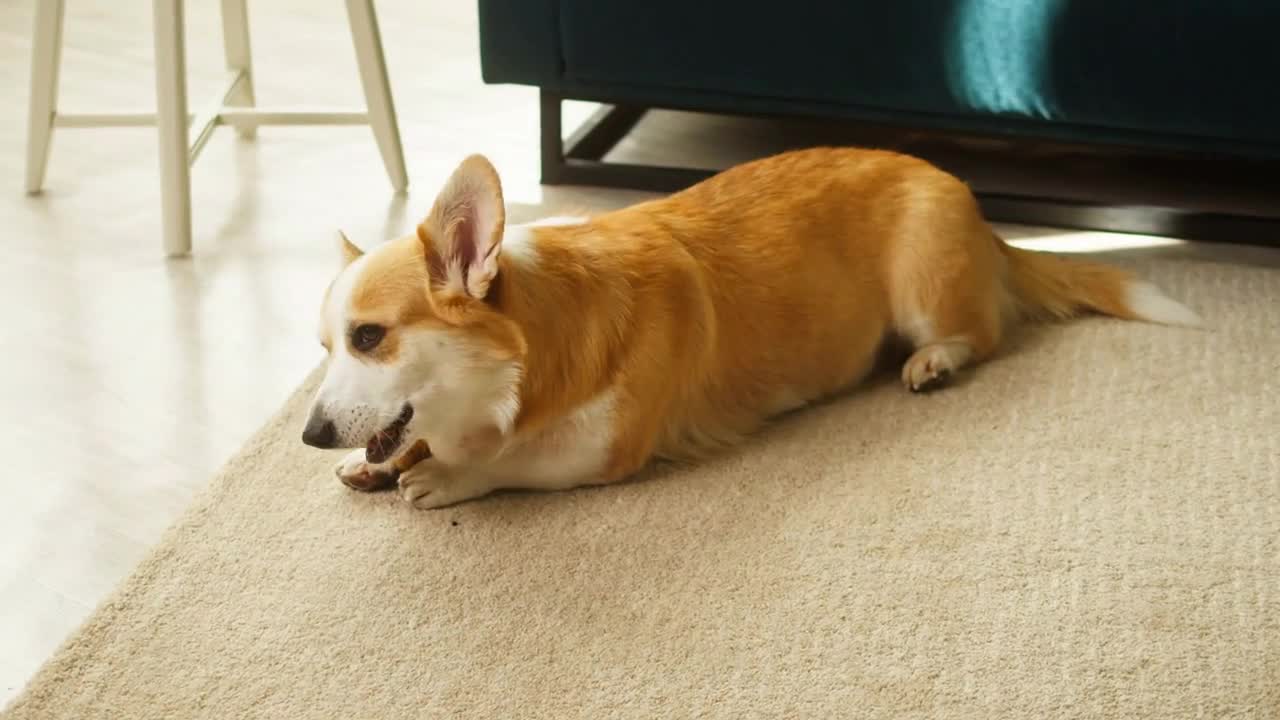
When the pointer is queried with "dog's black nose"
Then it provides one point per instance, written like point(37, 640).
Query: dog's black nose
point(320, 432)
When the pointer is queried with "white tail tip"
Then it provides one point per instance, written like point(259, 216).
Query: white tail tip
point(1150, 302)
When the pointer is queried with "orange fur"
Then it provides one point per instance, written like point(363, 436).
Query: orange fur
point(1047, 285)
point(778, 277)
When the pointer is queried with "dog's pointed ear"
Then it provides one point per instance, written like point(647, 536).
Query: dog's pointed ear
point(462, 236)
point(349, 250)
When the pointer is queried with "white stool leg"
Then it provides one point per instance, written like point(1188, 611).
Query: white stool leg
point(172, 121)
point(46, 56)
point(235, 42)
point(377, 90)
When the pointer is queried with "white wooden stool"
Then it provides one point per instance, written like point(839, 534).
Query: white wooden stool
point(235, 106)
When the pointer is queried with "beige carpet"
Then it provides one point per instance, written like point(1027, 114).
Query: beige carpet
point(1087, 527)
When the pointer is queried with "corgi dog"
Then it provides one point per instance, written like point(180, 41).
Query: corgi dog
point(473, 355)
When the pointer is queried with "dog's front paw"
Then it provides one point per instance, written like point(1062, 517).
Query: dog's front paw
point(356, 473)
point(430, 485)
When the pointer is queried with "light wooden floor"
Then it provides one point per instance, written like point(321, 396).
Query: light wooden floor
point(126, 379)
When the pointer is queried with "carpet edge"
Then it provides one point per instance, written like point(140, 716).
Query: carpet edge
point(79, 643)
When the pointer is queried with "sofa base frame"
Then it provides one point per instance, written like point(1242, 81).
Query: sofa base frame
point(579, 160)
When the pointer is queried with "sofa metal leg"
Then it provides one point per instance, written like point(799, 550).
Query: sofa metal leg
point(552, 139)
point(601, 132)
point(579, 159)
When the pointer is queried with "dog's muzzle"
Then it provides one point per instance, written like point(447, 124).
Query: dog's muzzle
point(320, 432)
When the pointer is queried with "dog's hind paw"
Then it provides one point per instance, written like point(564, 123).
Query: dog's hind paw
point(932, 366)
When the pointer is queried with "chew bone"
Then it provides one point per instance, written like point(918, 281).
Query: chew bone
point(416, 453)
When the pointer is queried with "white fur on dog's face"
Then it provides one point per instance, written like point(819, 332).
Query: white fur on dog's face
point(452, 383)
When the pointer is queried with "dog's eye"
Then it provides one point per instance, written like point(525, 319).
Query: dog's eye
point(366, 337)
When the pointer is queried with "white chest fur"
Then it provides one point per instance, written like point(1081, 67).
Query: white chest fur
point(572, 451)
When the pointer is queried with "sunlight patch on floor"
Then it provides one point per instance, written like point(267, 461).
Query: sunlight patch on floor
point(1069, 241)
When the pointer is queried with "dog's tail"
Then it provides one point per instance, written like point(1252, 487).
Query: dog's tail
point(1050, 285)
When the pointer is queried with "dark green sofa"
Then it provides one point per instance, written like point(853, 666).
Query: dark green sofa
point(1191, 77)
